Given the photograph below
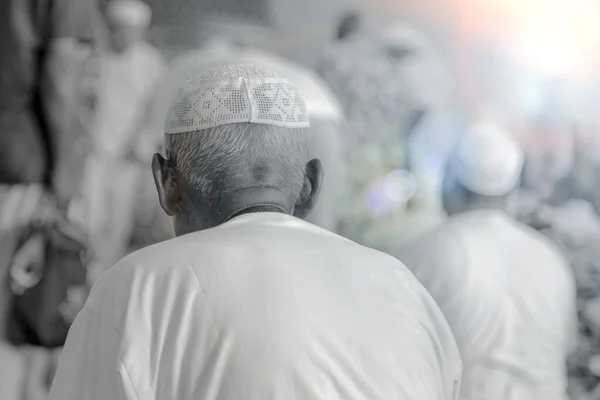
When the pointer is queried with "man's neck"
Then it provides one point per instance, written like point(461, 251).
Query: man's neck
point(254, 199)
point(259, 209)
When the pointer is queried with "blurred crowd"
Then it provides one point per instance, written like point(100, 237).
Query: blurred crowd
point(83, 99)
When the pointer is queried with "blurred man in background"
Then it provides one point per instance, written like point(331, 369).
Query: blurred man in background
point(506, 291)
point(123, 132)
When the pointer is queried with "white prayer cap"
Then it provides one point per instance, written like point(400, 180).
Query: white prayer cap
point(129, 13)
point(488, 161)
point(234, 94)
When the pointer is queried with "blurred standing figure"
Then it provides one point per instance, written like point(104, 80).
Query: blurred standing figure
point(504, 288)
point(123, 133)
point(37, 39)
point(41, 43)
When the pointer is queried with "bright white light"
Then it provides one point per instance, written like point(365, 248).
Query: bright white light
point(376, 201)
point(399, 186)
point(528, 97)
point(552, 37)
point(551, 54)
point(433, 163)
point(556, 35)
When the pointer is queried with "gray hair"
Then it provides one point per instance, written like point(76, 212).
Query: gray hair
point(217, 161)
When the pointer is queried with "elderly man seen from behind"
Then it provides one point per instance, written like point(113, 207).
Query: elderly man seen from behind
point(249, 301)
point(323, 108)
point(505, 290)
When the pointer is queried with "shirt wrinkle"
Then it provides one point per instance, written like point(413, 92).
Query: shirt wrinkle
point(122, 362)
point(102, 319)
point(124, 366)
point(201, 291)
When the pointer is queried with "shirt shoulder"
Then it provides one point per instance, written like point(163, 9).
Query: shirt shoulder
point(425, 308)
point(145, 285)
point(153, 299)
point(548, 247)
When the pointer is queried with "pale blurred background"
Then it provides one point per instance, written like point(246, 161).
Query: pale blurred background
point(401, 89)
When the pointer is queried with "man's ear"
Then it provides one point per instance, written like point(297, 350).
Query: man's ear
point(166, 184)
point(313, 179)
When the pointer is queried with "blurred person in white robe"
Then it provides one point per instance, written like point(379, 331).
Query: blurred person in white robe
point(123, 133)
point(323, 108)
point(506, 291)
point(250, 301)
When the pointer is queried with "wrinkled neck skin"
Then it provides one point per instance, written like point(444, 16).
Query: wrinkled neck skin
point(196, 215)
point(254, 197)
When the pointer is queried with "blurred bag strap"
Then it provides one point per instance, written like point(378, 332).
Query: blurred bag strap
point(20, 205)
point(27, 265)
point(31, 221)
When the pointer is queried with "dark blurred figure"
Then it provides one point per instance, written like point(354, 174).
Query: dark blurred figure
point(40, 42)
point(350, 24)
point(33, 44)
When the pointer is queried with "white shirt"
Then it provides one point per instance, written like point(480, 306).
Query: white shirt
point(509, 298)
point(265, 306)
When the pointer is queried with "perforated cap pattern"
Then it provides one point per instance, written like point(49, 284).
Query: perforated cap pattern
point(235, 94)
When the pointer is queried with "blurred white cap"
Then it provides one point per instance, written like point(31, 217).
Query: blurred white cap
point(488, 161)
point(129, 13)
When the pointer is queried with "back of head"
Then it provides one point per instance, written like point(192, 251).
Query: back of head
point(483, 170)
point(219, 162)
point(236, 140)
